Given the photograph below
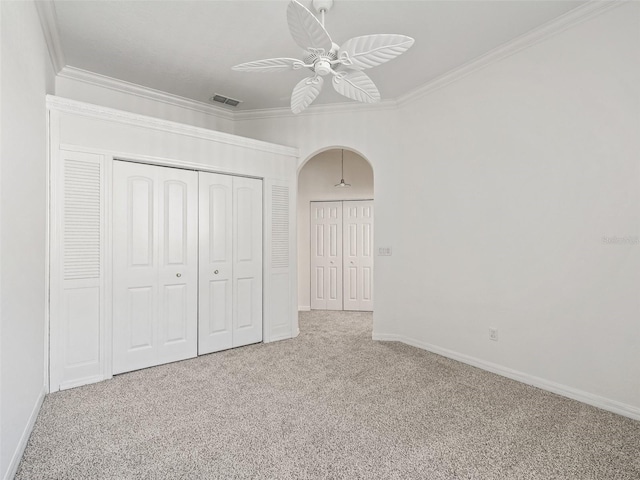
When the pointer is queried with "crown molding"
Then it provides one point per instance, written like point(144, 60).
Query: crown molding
point(49, 23)
point(333, 108)
point(563, 22)
point(122, 86)
point(66, 105)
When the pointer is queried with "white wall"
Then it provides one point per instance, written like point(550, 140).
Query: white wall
point(316, 181)
point(26, 77)
point(525, 167)
point(495, 193)
point(108, 92)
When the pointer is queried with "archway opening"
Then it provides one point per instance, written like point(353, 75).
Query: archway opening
point(321, 284)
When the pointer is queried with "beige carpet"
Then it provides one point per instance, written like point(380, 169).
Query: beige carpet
point(329, 404)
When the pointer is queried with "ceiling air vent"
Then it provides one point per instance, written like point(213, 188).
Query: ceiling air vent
point(226, 100)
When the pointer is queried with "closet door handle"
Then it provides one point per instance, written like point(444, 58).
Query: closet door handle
point(178, 275)
point(216, 272)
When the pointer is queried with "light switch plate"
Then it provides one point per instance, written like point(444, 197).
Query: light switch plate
point(384, 251)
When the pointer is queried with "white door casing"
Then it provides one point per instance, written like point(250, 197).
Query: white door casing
point(326, 255)
point(230, 301)
point(358, 255)
point(155, 252)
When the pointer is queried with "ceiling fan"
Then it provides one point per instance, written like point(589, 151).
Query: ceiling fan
point(323, 57)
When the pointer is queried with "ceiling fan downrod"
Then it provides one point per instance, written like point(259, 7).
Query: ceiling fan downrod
point(322, 6)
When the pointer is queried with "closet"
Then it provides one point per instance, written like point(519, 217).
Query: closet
point(153, 258)
point(342, 255)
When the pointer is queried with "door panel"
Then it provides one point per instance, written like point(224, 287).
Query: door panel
point(358, 258)
point(155, 265)
point(140, 315)
point(178, 227)
point(247, 261)
point(177, 319)
point(216, 263)
point(140, 232)
point(326, 256)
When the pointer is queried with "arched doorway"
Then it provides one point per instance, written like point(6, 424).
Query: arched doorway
point(316, 188)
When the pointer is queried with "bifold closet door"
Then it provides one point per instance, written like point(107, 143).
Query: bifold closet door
point(326, 255)
point(357, 218)
point(155, 265)
point(230, 300)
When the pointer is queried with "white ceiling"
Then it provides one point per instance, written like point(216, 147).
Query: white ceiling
point(187, 48)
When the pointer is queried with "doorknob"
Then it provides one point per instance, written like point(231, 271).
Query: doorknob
point(351, 263)
point(178, 274)
point(216, 272)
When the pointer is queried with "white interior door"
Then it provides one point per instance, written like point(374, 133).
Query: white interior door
point(247, 261)
point(358, 255)
point(230, 262)
point(216, 263)
point(326, 255)
point(155, 274)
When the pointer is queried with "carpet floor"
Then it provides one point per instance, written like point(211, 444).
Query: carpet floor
point(331, 404)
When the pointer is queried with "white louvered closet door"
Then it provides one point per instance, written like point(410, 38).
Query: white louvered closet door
point(230, 300)
point(155, 255)
point(77, 299)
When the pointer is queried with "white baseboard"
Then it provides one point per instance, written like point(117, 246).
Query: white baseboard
point(304, 308)
point(570, 392)
point(24, 438)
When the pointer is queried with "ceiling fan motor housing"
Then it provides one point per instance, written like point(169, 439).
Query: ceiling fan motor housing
point(322, 67)
point(322, 62)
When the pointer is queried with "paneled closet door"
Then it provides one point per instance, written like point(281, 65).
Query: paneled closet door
point(326, 255)
point(155, 255)
point(215, 316)
point(358, 255)
point(247, 261)
point(230, 262)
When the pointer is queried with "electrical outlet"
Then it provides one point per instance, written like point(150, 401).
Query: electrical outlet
point(493, 334)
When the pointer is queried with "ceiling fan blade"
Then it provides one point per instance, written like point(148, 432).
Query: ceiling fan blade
point(305, 28)
point(371, 50)
point(305, 92)
point(357, 86)
point(270, 65)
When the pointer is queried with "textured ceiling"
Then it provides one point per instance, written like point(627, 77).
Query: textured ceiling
point(187, 48)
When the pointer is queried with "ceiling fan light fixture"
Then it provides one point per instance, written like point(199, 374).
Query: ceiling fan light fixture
point(342, 183)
